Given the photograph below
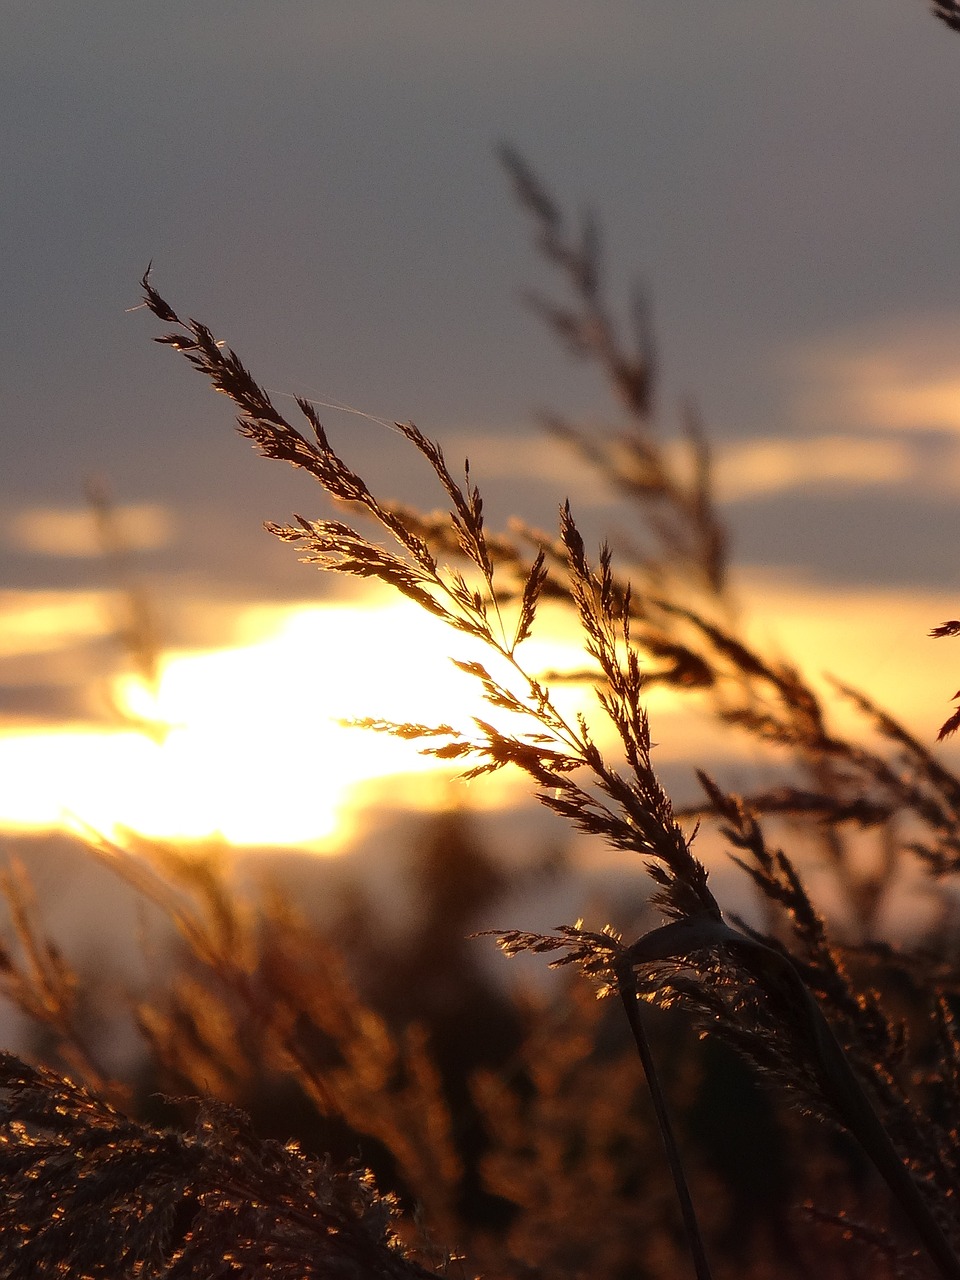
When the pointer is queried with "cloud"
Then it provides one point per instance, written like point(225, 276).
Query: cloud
point(71, 532)
point(895, 375)
point(873, 406)
point(539, 458)
point(755, 468)
point(34, 622)
point(743, 469)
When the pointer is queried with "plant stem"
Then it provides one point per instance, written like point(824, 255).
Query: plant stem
point(627, 989)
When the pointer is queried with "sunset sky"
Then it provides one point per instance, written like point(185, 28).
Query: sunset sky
point(317, 181)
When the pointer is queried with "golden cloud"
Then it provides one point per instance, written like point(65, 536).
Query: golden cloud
point(756, 467)
point(72, 531)
point(743, 469)
point(551, 462)
point(33, 622)
point(902, 375)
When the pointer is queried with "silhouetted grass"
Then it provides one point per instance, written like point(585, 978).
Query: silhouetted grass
point(743, 986)
point(88, 1192)
point(536, 1159)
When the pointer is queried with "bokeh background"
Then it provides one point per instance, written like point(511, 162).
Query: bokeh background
point(318, 182)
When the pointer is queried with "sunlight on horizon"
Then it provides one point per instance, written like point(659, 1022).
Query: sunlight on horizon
point(242, 742)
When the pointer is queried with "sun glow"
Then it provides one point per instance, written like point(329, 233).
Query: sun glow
point(247, 744)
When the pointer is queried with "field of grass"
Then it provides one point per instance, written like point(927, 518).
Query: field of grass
point(709, 1096)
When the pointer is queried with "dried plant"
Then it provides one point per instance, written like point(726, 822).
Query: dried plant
point(862, 1036)
point(947, 11)
point(39, 981)
point(952, 628)
point(675, 497)
point(90, 1193)
point(746, 987)
point(136, 628)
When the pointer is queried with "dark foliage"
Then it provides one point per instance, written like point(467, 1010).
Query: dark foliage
point(88, 1192)
point(948, 11)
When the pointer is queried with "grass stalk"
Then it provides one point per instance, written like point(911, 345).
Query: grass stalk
point(627, 990)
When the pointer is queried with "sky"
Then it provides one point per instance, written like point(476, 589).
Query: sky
point(318, 182)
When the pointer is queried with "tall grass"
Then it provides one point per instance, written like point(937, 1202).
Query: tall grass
point(539, 1159)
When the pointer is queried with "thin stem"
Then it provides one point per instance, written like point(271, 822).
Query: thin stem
point(627, 989)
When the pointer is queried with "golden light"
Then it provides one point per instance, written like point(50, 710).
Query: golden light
point(252, 749)
point(36, 622)
point(248, 745)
